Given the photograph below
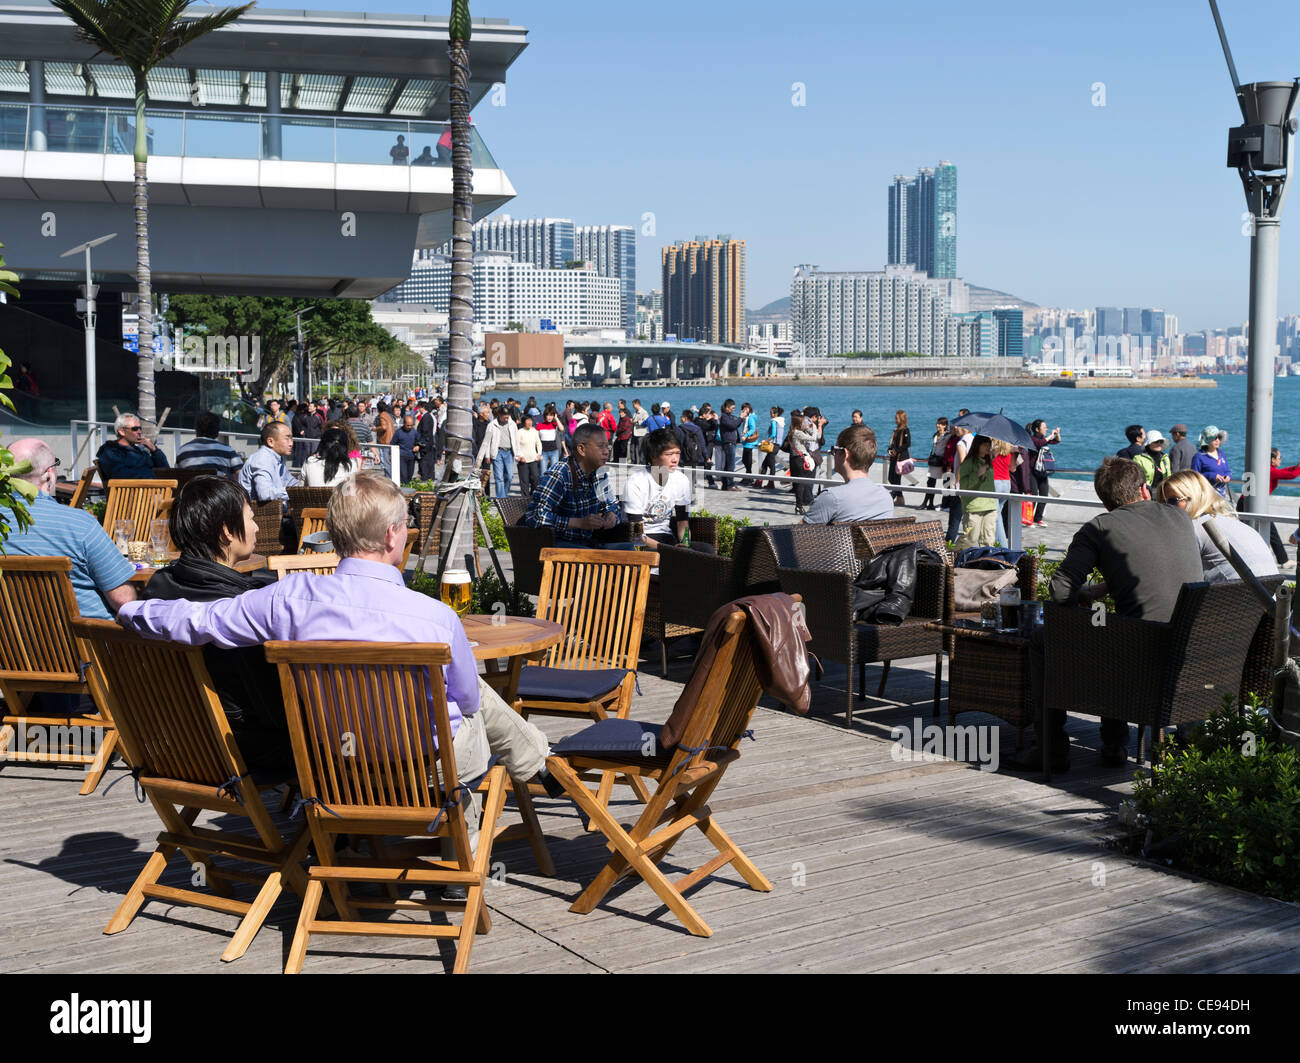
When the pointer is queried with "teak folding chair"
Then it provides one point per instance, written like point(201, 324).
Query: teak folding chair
point(137, 500)
point(364, 718)
point(313, 520)
point(599, 596)
point(186, 760)
point(321, 564)
point(685, 775)
point(82, 490)
point(39, 655)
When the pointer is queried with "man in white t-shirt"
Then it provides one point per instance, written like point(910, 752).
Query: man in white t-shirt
point(660, 495)
point(857, 498)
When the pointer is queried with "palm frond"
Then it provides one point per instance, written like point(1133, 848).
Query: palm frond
point(143, 33)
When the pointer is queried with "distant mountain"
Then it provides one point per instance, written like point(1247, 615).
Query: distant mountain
point(770, 314)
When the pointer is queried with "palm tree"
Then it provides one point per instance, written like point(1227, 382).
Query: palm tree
point(141, 34)
point(460, 454)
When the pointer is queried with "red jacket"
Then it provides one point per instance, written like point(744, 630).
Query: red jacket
point(607, 422)
point(1275, 474)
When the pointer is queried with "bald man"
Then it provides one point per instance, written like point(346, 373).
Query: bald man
point(99, 572)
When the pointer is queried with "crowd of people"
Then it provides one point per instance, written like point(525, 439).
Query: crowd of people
point(1161, 497)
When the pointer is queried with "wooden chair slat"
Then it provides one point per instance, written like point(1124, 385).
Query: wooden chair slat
point(177, 736)
point(392, 699)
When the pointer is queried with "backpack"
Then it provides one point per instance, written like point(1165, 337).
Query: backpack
point(950, 450)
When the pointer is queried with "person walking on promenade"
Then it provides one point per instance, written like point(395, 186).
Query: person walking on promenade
point(1181, 452)
point(1210, 462)
point(748, 439)
point(499, 447)
point(406, 438)
point(1041, 462)
point(729, 426)
point(1153, 460)
point(1137, 439)
point(772, 446)
point(707, 422)
point(815, 424)
point(979, 515)
point(802, 447)
point(639, 432)
point(900, 449)
point(935, 465)
point(955, 452)
point(1003, 456)
point(529, 457)
point(622, 433)
point(551, 434)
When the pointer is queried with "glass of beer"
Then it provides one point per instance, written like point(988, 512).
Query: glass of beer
point(455, 591)
point(158, 542)
point(123, 533)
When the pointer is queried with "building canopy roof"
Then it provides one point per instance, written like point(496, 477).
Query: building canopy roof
point(331, 63)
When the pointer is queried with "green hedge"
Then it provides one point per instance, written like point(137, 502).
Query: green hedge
point(1227, 805)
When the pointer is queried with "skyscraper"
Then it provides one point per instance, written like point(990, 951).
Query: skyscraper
point(611, 249)
point(923, 221)
point(1010, 323)
point(944, 219)
point(704, 289)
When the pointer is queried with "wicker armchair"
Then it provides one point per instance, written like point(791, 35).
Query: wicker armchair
point(1155, 675)
point(820, 563)
point(301, 498)
point(269, 517)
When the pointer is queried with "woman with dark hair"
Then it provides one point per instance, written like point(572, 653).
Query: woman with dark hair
point(213, 527)
point(1038, 431)
point(900, 449)
point(803, 443)
point(622, 432)
point(332, 463)
point(528, 457)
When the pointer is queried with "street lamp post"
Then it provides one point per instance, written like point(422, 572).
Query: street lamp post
point(303, 391)
point(87, 305)
point(1260, 151)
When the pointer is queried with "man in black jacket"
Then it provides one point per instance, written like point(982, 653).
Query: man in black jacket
point(692, 441)
point(728, 436)
point(707, 422)
point(428, 429)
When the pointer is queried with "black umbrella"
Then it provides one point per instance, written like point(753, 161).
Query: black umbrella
point(996, 426)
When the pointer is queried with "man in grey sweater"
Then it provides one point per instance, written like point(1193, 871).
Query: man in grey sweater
point(1145, 551)
point(1182, 450)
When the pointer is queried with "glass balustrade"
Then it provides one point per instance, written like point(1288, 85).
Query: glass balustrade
point(232, 135)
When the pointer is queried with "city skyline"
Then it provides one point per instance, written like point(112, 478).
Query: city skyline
point(1091, 139)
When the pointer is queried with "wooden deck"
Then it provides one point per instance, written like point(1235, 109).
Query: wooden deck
point(878, 865)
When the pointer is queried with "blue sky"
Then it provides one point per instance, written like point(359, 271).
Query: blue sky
point(684, 110)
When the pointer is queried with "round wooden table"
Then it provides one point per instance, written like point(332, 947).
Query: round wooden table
point(514, 637)
point(250, 564)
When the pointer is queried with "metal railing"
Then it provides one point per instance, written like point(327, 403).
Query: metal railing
point(88, 436)
point(228, 135)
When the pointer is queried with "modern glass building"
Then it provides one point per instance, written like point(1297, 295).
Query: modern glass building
point(611, 249)
point(1110, 321)
point(1009, 322)
point(923, 221)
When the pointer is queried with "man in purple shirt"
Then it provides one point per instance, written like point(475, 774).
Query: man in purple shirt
point(366, 601)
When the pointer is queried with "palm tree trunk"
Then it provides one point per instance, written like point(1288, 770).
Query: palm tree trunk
point(459, 454)
point(146, 406)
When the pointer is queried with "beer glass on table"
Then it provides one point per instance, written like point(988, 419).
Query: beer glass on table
point(123, 532)
point(158, 542)
point(455, 591)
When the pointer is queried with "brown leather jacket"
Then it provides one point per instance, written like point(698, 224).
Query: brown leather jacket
point(776, 623)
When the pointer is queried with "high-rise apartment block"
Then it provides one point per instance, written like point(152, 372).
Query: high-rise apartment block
point(704, 290)
point(923, 221)
point(611, 250)
point(898, 311)
point(507, 291)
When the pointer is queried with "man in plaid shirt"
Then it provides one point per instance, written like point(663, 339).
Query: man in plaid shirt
point(568, 499)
